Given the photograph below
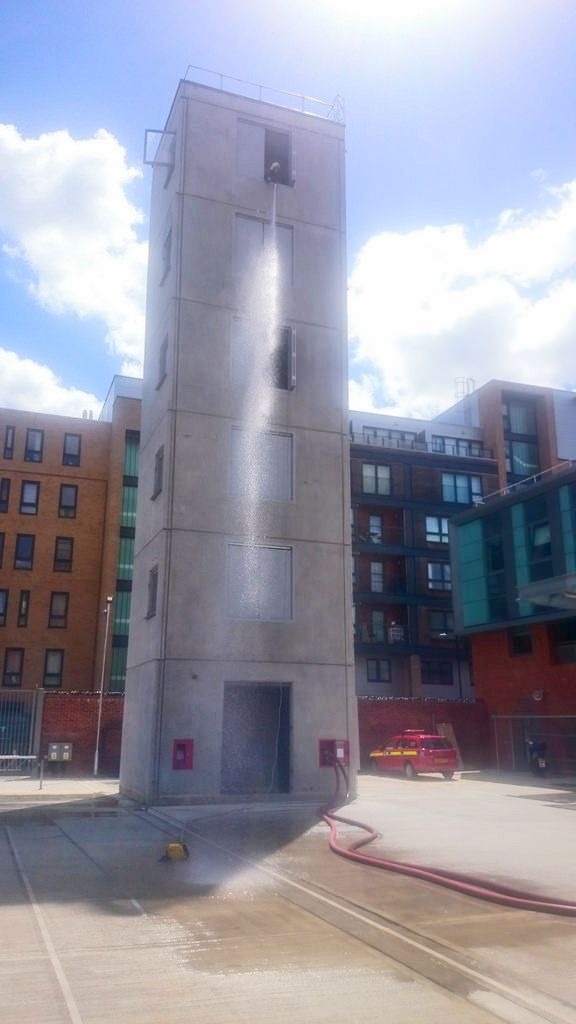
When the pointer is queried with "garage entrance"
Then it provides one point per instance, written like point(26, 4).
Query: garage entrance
point(256, 738)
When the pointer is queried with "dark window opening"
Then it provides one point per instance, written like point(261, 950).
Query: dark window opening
point(3, 606)
point(378, 670)
point(152, 592)
point(277, 146)
point(563, 641)
point(23, 608)
point(1, 549)
point(158, 473)
point(520, 641)
point(436, 673)
point(283, 361)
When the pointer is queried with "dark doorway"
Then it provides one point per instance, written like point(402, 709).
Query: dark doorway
point(256, 739)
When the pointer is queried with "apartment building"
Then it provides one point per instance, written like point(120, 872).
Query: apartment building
point(408, 477)
point(67, 517)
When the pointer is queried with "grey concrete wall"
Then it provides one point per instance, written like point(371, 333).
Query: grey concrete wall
point(181, 658)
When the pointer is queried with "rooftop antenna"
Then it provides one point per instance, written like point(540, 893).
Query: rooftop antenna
point(464, 386)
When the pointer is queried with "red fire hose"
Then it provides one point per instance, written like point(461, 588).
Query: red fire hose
point(466, 884)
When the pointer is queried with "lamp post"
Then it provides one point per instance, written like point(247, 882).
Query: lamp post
point(106, 612)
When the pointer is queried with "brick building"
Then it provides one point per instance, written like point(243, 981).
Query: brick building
point(67, 518)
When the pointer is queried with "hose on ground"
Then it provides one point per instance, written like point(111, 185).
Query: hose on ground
point(463, 883)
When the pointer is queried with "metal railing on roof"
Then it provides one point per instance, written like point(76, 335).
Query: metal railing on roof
point(419, 446)
point(527, 481)
point(331, 111)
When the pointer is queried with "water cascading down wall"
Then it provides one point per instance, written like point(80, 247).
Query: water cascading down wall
point(240, 657)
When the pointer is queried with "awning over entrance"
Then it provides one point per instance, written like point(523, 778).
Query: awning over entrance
point(554, 592)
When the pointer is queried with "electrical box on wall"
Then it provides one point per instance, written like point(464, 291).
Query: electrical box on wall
point(331, 752)
point(59, 751)
point(182, 755)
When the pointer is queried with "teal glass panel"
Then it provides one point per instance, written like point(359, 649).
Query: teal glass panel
point(129, 501)
point(118, 660)
point(568, 518)
point(521, 555)
point(122, 612)
point(125, 558)
point(472, 574)
point(131, 453)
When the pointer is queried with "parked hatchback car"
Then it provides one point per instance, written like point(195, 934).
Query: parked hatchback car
point(413, 752)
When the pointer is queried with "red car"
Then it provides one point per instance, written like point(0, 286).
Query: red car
point(415, 751)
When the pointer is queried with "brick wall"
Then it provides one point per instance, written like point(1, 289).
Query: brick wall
point(378, 720)
point(507, 683)
point(73, 718)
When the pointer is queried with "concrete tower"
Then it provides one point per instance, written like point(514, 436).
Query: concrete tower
point(240, 664)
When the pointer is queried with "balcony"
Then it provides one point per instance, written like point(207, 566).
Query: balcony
point(389, 635)
point(419, 446)
point(388, 536)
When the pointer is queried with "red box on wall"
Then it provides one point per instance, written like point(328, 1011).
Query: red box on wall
point(182, 755)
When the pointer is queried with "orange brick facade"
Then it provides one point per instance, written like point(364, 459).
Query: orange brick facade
point(73, 718)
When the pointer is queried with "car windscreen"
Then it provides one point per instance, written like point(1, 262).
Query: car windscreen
point(436, 743)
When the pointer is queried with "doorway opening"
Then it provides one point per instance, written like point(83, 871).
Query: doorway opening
point(256, 738)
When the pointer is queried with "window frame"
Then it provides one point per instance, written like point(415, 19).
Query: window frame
point(437, 681)
point(53, 675)
point(23, 609)
point(4, 493)
point(2, 546)
point(9, 439)
point(21, 538)
point(437, 537)
point(158, 482)
point(445, 583)
point(380, 487)
point(19, 673)
point(66, 565)
point(456, 479)
point(66, 511)
point(152, 598)
point(33, 454)
point(29, 508)
point(378, 676)
point(58, 619)
point(71, 458)
point(4, 600)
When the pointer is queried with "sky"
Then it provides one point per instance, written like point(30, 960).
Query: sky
point(461, 182)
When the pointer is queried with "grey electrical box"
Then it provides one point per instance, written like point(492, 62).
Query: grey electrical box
point(59, 751)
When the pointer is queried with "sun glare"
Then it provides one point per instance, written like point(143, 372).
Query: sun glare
point(392, 12)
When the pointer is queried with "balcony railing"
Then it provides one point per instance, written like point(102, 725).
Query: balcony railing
point(387, 535)
point(420, 446)
point(366, 634)
point(365, 584)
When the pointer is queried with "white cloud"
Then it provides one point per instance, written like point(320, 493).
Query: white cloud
point(65, 212)
point(25, 384)
point(432, 305)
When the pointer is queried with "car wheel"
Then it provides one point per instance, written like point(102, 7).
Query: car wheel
point(409, 772)
point(448, 775)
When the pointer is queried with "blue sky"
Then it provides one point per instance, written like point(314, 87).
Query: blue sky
point(461, 181)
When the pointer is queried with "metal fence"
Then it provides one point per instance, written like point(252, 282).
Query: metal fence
point(20, 723)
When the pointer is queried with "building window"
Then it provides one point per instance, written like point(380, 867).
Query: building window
point(13, 664)
point(34, 445)
point(283, 362)
point(259, 582)
point(436, 673)
point(24, 551)
point(375, 479)
point(264, 153)
point(3, 606)
point(29, 497)
point(441, 624)
point(439, 576)
point(389, 438)
point(461, 488)
point(519, 417)
point(375, 529)
point(72, 450)
point(166, 256)
point(9, 443)
point(4, 494)
point(1, 549)
point(378, 626)
point(68, 501)
point(456, 445)
point(437, 529)
point(53, 665)
point(376, 577)
point(521, 458)
point(63, 554)
point(131, 456)
point(152, 592)
point(158, 473)
point(519, 641)
point(23, 608)
point(58, 617)
point(261, 465)
point(562, 637)
point(162, 362)
point(378, 670)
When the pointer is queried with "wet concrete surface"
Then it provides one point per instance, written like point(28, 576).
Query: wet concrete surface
point(264, 923)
